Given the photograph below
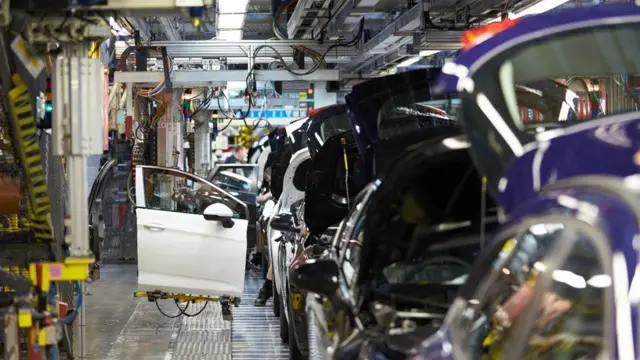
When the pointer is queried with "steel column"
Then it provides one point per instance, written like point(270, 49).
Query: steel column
point(202, 141)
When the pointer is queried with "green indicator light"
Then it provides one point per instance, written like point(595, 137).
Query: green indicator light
point(48, 107)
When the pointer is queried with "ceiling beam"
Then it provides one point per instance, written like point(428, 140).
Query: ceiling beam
point(141, 26)
point(220, 77)
point(169, 28)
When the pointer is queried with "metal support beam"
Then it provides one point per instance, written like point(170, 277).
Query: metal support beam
point(220, 48)
point(169, 28)
point(408, 21)
point(219, 78)
point(352, 10)
point(385, 60)
point(236, 103)
point(298, 16)
point(142, 27)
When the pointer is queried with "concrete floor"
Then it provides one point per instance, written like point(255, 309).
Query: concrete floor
point(120, 327)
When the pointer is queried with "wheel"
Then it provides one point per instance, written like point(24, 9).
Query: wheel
point(276, 300)
point(294, 351)
point(284, 327)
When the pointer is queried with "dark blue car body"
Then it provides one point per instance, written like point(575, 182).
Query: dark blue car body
point(593, 159)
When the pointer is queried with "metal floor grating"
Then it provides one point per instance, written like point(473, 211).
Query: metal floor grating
point(254, 333)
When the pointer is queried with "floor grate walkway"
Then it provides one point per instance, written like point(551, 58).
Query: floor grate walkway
point(122, 328)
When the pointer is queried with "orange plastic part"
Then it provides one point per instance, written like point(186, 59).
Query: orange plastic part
point(473, 37)
point(9, 195)
point(63, 309)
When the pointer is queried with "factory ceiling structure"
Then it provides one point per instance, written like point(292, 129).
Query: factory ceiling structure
point(357, 37)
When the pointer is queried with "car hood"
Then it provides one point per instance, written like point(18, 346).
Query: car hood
point(608, 146)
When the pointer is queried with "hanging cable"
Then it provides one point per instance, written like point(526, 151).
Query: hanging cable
point(181, 311)
point(316, 66)
point(185, 313)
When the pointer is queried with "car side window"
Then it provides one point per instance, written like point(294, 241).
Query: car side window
point(558, 319)
point(352, 250)
point(353, 235)
point(172, 190)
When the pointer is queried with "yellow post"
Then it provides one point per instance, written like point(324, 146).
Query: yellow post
point(94, 50)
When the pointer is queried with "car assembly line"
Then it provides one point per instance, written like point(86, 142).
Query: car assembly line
point(322, 180)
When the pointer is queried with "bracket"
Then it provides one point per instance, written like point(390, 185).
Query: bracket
point(67, 29)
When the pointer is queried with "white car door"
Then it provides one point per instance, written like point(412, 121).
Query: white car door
point(289, 196)
point(192, 236)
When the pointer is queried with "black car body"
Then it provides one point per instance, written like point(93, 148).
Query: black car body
point(325, 131)
point(420, 223)
point(422, 161)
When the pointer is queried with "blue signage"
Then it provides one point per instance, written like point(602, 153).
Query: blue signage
point(256, 114)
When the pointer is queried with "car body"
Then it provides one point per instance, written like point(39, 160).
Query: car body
point(575, 184)
point(399, 131)
point(321, 125)
point(282, 243)
point(599, 255)
point(291, 153)
point(384, 243)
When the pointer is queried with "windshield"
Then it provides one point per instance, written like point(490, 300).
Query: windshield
point(557, 81)
point(235, 177)
point(568, 316)
point(325, 123)
point(423, 230)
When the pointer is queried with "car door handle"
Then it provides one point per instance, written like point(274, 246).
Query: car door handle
point(154, 227)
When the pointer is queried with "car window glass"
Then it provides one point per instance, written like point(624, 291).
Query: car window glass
point(170, 190)
point(549, 83)
point(569, 323)
point(352, 249)
point(351, 235)
point(397, 116)
point(235, 178)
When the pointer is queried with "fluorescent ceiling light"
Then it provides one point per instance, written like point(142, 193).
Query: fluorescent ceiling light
point(116, 29)
point(232, 6)
point(230, 21)
point(232, 35)
point(426, 53)
point(415, 59)
point(236, 85)
point(409, 61)
point(539, 8)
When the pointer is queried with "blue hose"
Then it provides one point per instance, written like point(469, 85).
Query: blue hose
point(73, 314)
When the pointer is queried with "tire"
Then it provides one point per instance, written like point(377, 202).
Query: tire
point(294, 351)
point(276, 300)
point(284, 326)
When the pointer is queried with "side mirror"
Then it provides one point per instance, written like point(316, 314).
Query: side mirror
point(319, 276)
point(219, 212)
point(284, 223)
